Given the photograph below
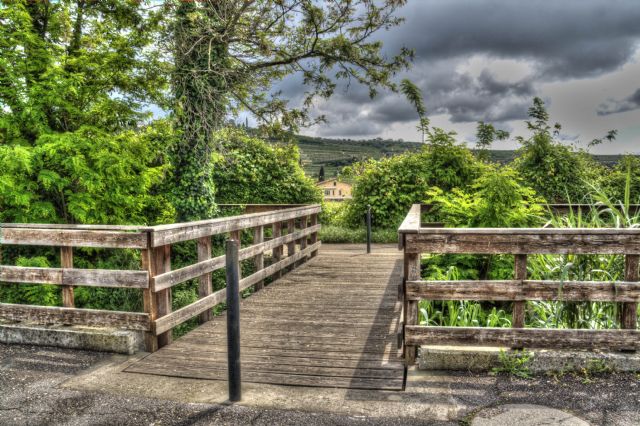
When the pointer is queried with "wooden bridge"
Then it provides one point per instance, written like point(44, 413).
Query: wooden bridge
point(329, 323)
point(331, 316)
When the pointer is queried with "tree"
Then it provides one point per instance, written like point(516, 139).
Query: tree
point(486, 134)
point(321, 174)
point(414, 96)
point(65, 65)
point(228, 53)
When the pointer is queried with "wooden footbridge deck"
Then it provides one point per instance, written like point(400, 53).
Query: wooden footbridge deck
point(330, 323)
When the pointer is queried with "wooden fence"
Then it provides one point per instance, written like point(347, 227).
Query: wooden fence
point(415, 239)
point(294, 227)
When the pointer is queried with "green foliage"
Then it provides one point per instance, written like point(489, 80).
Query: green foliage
point(47, 295)
point(499, 199)
point(347, 235)
point(253, 171)
point(85, 176)
point(486, 134)
point(514, 362)
point(391, 185)
point(557, 172)
point(623, 182)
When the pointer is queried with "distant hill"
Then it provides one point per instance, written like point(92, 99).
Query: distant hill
point(334, 154)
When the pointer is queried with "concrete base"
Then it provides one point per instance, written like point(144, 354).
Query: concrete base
point(73, 337)
point(541, 361)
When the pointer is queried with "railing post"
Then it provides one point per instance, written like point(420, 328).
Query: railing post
point(66, 261)
point(520, 274)
point(149, 300)
point(277, 251)
point(162, 260)
point(302, 240)
point(368, 228)
point(204, 281)
point(411, 273)
point(233, 320)
point(313, 238)
point(629, 311)
point(291, 247)
point(258, 261)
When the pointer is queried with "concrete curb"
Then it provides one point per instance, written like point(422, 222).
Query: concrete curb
point(480, 359)
point(73, 337)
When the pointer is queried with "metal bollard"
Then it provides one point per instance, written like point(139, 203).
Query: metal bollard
point(233, 320)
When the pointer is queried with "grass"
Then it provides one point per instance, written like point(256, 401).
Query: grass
point(344, 235)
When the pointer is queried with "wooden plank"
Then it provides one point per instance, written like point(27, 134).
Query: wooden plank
point(313, 224)
point(258, 261)
point(75, 277)
point(629, 311)
point(20, 274)
point(162, 259)
point(280, 379)
point(73, 316)
point(302, 241)
point(205, 286)
point(149, 299)
point(524, 241)
point(66, 261)
point(105, 278)
point(73, 238)
point(169, 234)
point(515, 290)
point(291, 247)
point(277, 250)
point(520, 274)
point(524, 337)
point(410, 308)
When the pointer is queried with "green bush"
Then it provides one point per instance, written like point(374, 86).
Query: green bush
point(391, 185)
point(250, 170)
point(86, 176)
point(557, 172)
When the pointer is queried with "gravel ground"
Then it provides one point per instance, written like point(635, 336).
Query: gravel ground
point(31, 394)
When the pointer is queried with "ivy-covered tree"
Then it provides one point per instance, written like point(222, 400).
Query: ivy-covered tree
point(228, 54)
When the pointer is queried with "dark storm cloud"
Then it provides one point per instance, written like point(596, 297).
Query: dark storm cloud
point(557, 40)
point(613, 106)
point(567, 39)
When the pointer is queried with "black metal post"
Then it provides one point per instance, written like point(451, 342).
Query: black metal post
point(233, 320)
point(368, 228)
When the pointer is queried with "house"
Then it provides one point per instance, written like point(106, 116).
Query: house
point(335, 190)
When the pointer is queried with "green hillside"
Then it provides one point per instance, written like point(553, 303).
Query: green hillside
point(334, 154)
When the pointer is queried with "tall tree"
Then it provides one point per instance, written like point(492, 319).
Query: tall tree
point(321, 174)
point(228, 54)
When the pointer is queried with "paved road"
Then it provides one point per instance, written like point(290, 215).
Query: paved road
point(33, 392)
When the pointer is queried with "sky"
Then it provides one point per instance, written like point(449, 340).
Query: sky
point(487, 59)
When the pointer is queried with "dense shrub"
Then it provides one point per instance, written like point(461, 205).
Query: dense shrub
point(624, 181)
point(496, 199)
point(86, 176)
point(558, 172)
point(250, 170)
point(391, 185)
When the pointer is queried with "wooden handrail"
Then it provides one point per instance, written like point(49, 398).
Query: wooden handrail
point(416, 239)
point(155, 279)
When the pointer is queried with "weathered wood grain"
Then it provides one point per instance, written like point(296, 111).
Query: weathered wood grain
point(520, 274)
point(205, 286)
point(258, 261)
point(516, 290)
point(629, 311)
point(66, 261)
point(169, 234)
point(523, 337)
point(410, 308)
point(524, 241)
point(73, 316)
point(74, 277)
point(73, 238)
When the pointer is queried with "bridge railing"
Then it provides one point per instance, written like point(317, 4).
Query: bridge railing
point(415, 239)
point(294, 227)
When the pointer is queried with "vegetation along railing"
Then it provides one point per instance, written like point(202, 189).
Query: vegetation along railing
point(294, 227)
point(415, 239)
